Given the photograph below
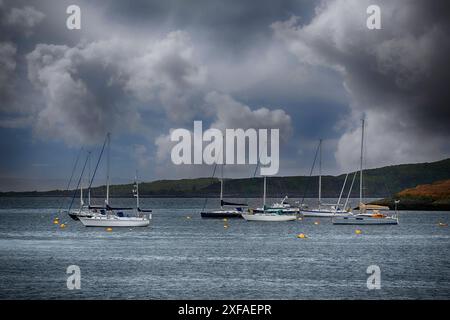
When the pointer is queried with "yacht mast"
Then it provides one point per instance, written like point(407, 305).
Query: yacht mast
point(361, 165)
point(108, 137)
point(137, 191)
point(89, 177)
point(264, 195)
point(221, 186)
point(320, 172)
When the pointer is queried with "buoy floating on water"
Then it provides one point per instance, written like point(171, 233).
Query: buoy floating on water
point(316, 222)
point(55, 221)
point(109, 229)
point(302, 236)
point(188, 217)
point(357, 231)
point(225, 219)
point(300, 218)
point(225, 226)
point(62, 225)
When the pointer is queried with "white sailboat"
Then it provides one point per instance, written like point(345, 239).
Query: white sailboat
point(368, 214)
point(108, 216)
point(269, 214)
point(324, 210)
point(234, 210)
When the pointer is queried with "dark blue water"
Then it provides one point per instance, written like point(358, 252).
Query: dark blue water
point(180, 258)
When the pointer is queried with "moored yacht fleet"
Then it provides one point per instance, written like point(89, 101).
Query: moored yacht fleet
point(341, 214)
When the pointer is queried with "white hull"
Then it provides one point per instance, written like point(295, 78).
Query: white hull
point(268, 217)
point(115, 221)
point(356, 220)
point(324, 213)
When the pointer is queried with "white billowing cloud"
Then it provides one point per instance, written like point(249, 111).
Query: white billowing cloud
point(168, 72)
point(163, 147)
point(394, 75)
point(386, 144)
point(232, 114)
point(76, 110)
point(87, 88)
point(227, 113)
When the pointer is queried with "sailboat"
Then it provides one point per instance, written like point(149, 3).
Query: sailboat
point(368, 214)
point(269, 213)
point(324, 210)
point(108, 216)
point(234, 211)
point(83, 210)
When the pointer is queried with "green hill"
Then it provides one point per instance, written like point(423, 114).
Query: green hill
point(379, 183)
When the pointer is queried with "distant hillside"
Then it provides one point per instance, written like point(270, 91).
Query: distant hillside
point(379, 183)
point(434, 196)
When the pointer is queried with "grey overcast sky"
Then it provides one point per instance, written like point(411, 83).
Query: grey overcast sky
point(141, 68)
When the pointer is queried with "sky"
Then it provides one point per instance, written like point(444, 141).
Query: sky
point(139, 69)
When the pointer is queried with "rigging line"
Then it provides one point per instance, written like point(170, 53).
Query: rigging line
point(96, 166)
point(350, 190)
point(310, 174)
point(78, 185)
point(254, 173)
point(71, 177)
point(206, 197)
point(213, 174)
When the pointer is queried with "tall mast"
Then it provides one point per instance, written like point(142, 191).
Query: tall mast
point(361, 165)
point(89, 178)
point(264, 195)
point(221, 186)
point(81, 195)
point(108, 137)
point(137, 191)
point(320, 172)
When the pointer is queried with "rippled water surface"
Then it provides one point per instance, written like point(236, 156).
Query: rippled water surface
point(180, 258)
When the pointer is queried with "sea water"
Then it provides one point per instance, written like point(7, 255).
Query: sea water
point(182, 256)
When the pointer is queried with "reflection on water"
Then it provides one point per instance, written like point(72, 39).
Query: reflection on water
point(179, 258)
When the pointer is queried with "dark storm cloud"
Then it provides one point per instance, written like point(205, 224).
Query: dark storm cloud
point(397, 76)
point(236, 24)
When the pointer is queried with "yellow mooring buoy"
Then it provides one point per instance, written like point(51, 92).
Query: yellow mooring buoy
point(109, 229)
point(358, 231)
point(302, 236)
point(62, 225)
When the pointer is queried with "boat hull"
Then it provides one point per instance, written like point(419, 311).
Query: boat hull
point(323, 214)
point(219, 214)
point(269, 217)
point(364, 221)
point(114, 222)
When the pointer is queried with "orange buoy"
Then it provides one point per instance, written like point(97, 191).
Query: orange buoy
point(302, 236)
